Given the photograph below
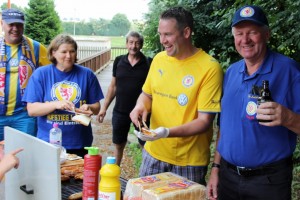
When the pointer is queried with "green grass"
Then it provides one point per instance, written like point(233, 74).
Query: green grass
point(135, 152)
point(118, 41)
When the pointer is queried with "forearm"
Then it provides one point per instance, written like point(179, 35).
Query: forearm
point(144, 101)
point(199, 125)
point(40, 109)
point(94, 107)
point(292, 122)
point(111, 93)
point(217, 157)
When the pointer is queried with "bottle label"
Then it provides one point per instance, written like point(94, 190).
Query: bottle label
point(106, 195)
point(54, 139)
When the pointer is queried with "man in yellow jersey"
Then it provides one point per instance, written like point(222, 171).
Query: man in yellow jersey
point(19, 57)
point(182, 91)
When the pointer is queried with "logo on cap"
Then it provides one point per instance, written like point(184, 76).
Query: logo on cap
point(247, 12)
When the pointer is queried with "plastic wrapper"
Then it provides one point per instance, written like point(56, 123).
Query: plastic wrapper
point(163, 186)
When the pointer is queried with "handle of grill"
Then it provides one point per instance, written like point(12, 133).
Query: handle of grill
point(27, 190)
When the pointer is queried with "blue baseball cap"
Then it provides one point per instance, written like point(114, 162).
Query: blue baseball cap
point(13, 16)
point(250, 13)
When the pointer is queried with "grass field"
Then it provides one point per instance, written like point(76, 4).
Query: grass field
point(118, 41)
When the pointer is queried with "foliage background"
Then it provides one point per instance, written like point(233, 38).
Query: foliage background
point(212, 25)
point(212, 31)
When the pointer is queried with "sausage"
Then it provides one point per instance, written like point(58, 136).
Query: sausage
point(75, 196)
point(148, 132)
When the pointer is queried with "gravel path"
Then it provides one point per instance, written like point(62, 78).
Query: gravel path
point(103, 140)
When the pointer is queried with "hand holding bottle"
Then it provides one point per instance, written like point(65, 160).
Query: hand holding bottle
point(273, 114)
point(265, 96)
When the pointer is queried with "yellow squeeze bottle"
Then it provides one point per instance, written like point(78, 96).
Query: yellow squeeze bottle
point(109, 185)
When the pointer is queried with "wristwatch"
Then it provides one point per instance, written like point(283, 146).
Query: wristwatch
point(215, 165)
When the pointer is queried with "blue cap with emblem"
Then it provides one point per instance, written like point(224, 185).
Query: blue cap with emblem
point(250, 13)
point(13, 16)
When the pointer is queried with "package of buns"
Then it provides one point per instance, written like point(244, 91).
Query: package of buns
point(177, 190)
point(136, 186)
point(163, 186)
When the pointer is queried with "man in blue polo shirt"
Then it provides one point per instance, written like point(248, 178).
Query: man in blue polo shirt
point(253, 159)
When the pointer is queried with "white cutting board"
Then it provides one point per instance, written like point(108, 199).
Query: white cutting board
point(39, 168)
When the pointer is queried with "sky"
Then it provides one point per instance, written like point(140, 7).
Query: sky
point(86, 9)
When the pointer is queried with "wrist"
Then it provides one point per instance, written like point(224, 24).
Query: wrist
point(215, 165)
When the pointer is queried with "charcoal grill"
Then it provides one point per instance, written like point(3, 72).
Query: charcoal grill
point(73, 186)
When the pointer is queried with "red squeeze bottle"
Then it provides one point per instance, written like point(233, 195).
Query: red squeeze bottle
point(92, 165)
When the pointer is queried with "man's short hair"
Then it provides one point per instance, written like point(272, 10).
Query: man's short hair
point(183, 17)
point(136, 35)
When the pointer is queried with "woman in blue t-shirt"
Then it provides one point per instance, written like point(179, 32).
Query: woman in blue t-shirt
point(56, 89)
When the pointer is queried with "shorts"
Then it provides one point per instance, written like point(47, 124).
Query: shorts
point(152, 166)
point(121, 126)
point(20, 121)
point(79, 152)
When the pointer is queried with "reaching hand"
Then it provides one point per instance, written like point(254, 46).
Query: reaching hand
point(160, 132)
point(100, 116)
point(9, 161)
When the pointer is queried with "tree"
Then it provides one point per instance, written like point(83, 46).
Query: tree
point(213, 25)
point(119, 25)
point(150, 31)
point(4, 6)
point(100, 26)
point(42, 21)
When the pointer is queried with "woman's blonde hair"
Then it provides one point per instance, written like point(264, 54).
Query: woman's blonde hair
point(55, 44)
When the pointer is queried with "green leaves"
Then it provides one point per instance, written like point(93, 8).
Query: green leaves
point(42, 22)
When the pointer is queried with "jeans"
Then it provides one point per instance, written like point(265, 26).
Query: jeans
point(20, 121)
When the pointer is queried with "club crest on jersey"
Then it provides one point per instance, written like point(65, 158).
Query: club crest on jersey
point(66, 90)
point(251, 108)
point(182, 99)
point(247, 12)
point(188, 81)
point(25, 72)
point(13, 62)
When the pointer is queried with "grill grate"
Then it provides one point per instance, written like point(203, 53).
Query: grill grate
point(73, 186)
point(70, 187)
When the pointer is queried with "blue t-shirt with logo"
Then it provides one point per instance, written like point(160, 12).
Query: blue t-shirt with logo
point(80, 86)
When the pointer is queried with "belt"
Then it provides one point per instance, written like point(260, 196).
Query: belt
point(258, 171)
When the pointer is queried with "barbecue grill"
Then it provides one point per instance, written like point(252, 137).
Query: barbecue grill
point(73, 186)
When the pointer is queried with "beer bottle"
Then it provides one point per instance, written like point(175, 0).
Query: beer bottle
point(265, 96)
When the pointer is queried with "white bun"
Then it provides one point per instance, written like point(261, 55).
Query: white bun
point(82, 119)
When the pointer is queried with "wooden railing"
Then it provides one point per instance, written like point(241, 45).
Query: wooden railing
point(97, 61)
point(100, 60)
point(117, 51)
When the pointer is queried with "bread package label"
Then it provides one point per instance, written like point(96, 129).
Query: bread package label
point(163, 186)
point(177, 190)
point(135, 187)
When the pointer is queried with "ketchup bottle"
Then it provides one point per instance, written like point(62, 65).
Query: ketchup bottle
point(92, 165)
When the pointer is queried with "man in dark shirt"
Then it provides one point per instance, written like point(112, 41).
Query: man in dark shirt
point(129, 74)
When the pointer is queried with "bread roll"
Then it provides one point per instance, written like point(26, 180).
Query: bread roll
point(82, 119)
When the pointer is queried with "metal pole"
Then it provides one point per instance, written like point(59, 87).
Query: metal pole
point(74, 27)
